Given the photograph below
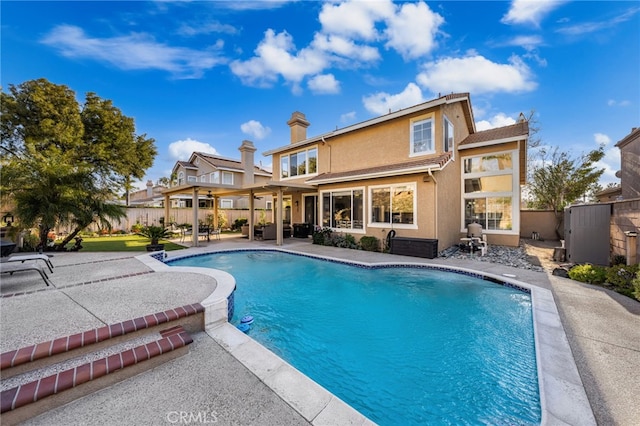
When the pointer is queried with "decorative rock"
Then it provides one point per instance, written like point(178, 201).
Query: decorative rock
point(516, 257)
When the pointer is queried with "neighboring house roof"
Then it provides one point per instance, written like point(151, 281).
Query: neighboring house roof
point(442, 100)
point(409, 167)
point(609, 193)
point(635, 134)
point(510, 133)
point(219, 162)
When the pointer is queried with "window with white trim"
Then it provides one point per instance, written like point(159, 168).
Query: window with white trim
point(343, 209)
point(227, 178)
point(489, 182)
point(192, 179)
point(226, 204)
point(181, 178)
point(422, 136)
point(214, 177)
point(203, 178)
point(447, 133)
point(393, 204)
point(299, 163)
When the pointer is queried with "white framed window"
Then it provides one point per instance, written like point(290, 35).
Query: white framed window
point(181, 178)
point(300, 163)
point(490, 194)
point(422, 136)
point(214, 177)
point(447, 132)
point(226, 203)
point(227, 178)
point(269, 205)
point(343, 209)
point(393, 205)
point(192, 179)
point(203, 178)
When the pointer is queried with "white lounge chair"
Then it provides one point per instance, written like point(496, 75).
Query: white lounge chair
point(25, 257)
point(11, 267)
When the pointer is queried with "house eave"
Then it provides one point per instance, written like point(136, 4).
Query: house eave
point(386, 174)
point(493, 142)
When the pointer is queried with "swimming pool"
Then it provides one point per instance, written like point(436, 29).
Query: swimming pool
point(401, 345)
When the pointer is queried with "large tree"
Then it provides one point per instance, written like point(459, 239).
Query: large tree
point(60, 159)
point(561, 180)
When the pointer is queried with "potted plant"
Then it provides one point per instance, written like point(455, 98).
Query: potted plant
point(155, 234)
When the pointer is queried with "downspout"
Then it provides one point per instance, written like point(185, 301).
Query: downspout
point(435, 192)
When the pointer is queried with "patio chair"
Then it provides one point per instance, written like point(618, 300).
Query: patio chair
point(215, 232)
point(24, 257)
point(12, 267)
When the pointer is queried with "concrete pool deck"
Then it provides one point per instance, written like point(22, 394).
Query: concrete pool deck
point(602, 329)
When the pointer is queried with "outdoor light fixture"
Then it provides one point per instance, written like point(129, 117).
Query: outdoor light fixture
point(8, 219)
point(209, 195)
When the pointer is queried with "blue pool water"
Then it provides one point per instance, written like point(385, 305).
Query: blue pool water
point(401, 345)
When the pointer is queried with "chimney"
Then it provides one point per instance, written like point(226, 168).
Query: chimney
point(149, 189)
point(246, 159)
point(298, 124)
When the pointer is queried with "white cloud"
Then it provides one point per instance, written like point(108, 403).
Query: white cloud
point(355, 19)
point(601, 139)
point(611, 164)
point(413, 29)
point(274, 58)
point(498, 120)
point(182, 150)
point(348, 117)
point(324, 84)
point(383, 103)
point(528, 11)
point(476, 74)
point(343, 47)
point(255, 129)
point(136, 51)
point(623, 103)
point(591, 27)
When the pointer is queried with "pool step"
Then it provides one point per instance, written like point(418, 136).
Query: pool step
point(98, 359)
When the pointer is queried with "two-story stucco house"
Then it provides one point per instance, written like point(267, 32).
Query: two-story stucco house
point(221, 173)
point(423, 171)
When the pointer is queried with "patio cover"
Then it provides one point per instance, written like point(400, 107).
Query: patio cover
point(251, 190)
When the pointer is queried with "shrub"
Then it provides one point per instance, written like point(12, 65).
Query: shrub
point(137, 228)
point(636, 285)
point(369, 243)
point(343, 241)
point(587, 273)
point(322, 236)
point(618, 259)
point(621, 277)
point(237, 224)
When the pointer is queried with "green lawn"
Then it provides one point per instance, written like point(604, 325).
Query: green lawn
point(122, 243)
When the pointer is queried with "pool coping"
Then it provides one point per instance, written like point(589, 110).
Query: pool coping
point(562, 395)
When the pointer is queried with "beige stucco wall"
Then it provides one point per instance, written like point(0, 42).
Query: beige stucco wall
point(541, 221)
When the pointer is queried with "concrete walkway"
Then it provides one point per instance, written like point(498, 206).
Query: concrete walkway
point(210, 385)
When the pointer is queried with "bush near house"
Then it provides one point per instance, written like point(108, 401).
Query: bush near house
point(623, 279)
point(327, 237)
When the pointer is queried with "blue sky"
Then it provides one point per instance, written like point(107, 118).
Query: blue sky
point(204, 76)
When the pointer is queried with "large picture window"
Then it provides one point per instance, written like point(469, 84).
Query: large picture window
point(488, 191)
point(343, 209)
point(393, 204)
point(422, 135)
point(299, 163)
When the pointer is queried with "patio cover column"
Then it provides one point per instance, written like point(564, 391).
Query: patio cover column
point(279, 218)
point(194, 221)
point(215, 212)
point(251, 215)
point(166, 210)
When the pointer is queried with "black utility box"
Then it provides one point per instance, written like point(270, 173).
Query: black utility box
point(417, 247)
point(301, 230)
